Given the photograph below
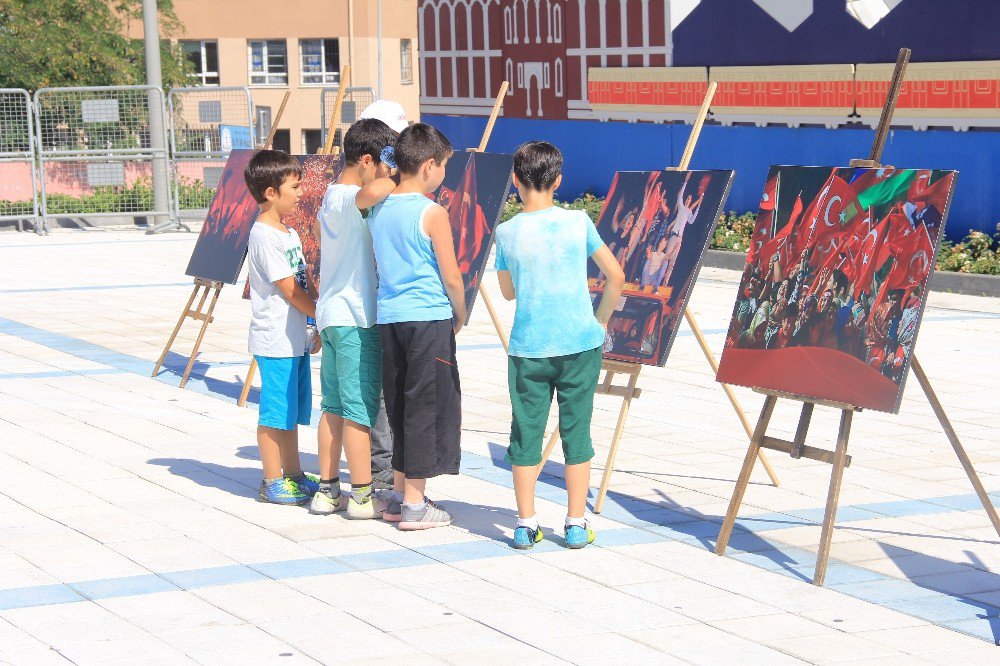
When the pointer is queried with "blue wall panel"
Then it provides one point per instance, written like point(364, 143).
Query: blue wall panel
point(595, 150)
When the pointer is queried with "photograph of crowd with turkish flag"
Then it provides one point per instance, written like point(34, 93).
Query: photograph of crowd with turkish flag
point(836, 281)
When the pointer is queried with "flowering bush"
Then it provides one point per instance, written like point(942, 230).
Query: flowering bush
point(978, 253)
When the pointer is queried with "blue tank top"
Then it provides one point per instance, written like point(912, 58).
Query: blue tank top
point(409, 281)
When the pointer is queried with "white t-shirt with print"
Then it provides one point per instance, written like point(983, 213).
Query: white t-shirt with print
point(277, 328)
point(348, 285)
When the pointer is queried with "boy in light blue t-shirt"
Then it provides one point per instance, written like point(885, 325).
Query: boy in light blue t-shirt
point(555, 345)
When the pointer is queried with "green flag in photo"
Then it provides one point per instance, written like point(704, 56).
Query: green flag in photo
point(888, 191)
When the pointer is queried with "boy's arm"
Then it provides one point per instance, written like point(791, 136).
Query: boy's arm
point(295, 295)
point(438, 227)
point(506, 285)
point(613, 287)
point(374, 192)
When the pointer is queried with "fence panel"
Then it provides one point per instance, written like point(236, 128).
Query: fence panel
point(355, 101)
point(206, 123)
point(101, 152)
point(18, 186)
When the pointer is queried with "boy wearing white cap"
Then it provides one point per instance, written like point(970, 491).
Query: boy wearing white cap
point(391, 113)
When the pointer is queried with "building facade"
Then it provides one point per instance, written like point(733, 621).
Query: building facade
point(301, 47)
point(542, 47)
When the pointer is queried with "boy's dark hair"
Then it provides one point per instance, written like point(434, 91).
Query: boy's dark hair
point(269, 168)
point(417, 144)
point(537, 165)
point(368, 136)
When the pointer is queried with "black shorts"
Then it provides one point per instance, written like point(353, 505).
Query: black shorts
point(423, 397)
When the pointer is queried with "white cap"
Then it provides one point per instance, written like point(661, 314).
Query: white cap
point(391, 113)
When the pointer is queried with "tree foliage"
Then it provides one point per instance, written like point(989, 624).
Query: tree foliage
point(53, 43)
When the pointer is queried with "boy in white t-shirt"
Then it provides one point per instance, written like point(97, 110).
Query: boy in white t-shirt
point(278, 334)
point(351, 373)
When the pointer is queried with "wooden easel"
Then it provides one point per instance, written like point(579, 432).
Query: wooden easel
point(631, 371)
point(198, 314)
point(327, 149)
point(481, 149)
point(839, 458)
point(205, 317)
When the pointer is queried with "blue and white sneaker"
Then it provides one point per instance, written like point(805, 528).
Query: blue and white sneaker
point(307, 483)
point(281, 491)
point(525, 537)
point(578, 537)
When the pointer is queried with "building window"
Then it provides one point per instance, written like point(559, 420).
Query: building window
point(546, 73)
point(506, 25)
point(559, 77)
point(282, 140)
point(405, 61)
point(312, 141)
point(509, 68)
point(557, 23)
point(320, 60)
point(204, 56)
point(268, 62)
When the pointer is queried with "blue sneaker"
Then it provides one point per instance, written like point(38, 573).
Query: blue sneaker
point(281, 491)
point(307, 483)
point(525, 537)
point(578, 537)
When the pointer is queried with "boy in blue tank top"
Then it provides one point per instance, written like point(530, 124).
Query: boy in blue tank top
point(420, 309)
point(555, 345)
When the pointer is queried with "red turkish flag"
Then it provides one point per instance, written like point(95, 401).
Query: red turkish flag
point(769, 200)
point(911, 250)
point(867, 256)
point(831, 212)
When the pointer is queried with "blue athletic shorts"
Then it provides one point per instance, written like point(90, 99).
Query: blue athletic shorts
point(285, 391)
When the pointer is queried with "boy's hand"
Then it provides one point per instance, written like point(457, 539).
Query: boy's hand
point(317, 345)
point(458, 327)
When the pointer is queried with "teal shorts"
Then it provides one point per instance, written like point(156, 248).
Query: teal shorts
point(351, 373)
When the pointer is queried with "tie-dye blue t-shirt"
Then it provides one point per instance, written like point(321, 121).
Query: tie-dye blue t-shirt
point(546, 253)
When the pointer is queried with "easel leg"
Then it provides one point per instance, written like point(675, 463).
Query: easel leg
point(619, 429)
point(548, 450)
point(833, 497)
point(710, 357)
point(251, 371)
point(177, 328)
point(956, 444)
point(201, 334)
point(494, 317)
point(744, 478)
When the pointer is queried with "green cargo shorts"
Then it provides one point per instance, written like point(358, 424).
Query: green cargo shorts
point(351, 373)
point(532, 382)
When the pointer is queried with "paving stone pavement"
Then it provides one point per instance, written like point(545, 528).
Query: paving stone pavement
point(129, 532)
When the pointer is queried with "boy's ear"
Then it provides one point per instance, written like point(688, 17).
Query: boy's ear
point(517, 183)
point(366, 161)
point(270, 193)
point(558, 182)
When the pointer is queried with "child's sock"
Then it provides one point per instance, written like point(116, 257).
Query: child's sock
point(362, 492)
point(579, 522)
point(330, 487)
point(396, 496)
point(419, 508)
point(531, 523)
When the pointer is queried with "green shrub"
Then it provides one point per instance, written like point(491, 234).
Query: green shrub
point(137, 197)
point(733, 232)
point(588, 203)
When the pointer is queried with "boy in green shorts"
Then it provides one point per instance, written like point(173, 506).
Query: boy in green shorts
point(555, 344)
point(351, 371)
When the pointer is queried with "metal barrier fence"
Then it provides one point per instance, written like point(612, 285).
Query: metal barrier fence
point(355, 101)
point(102, 151)
point(18, 188)
point(206, 123)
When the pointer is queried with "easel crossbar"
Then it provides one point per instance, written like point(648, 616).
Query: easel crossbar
point(811, 452)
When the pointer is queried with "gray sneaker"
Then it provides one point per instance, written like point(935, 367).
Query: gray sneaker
point(422, 519)
point(382, 480)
